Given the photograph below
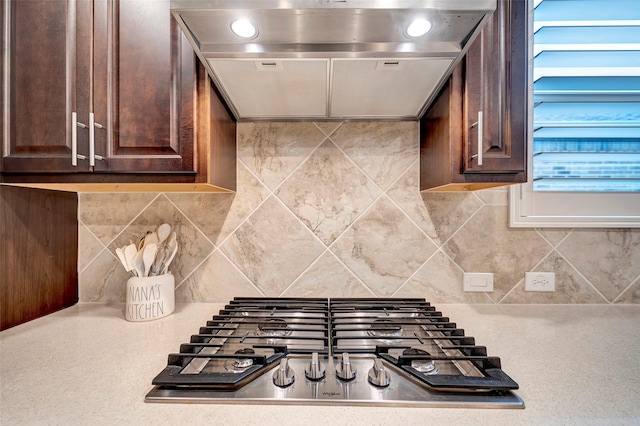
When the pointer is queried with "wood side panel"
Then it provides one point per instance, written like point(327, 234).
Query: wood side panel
point(185, 90)
point(216, 135)
point(435, 145)
point(39, 241)
point(518, 75)
point(3, 4)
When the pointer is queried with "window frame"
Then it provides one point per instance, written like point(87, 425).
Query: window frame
point(529, 209)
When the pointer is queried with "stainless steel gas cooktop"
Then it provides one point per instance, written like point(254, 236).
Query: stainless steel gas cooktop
point(398, 352)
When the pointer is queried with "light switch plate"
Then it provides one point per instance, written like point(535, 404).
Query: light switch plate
point(477, 282)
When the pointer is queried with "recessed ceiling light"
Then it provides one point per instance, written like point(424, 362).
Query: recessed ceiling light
point(244, 28)
point(418, 27)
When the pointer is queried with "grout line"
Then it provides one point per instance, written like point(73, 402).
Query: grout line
point(258, 289)
point(633, 282)
point(142, 210)
point(540, 232)
point(502, 299)
point(413, 274)
point(333, 131)
point(337, 258)
point(413, 221)
point(106, 246)
point(356, 219)
point(463, 225)
point(296, 279)
point(356, 165)
point(190, 221)
point(223, 254)
point(582, 275)
point(81, 223)
point(299, 165)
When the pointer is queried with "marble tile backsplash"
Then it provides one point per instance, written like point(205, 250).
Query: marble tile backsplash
point(334, 210)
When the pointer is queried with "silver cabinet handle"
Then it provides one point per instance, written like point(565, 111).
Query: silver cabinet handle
point(92, 140)
point(74, 139)
point(480, 131)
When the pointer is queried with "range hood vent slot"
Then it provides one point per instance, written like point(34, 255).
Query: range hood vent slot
point(269, 66)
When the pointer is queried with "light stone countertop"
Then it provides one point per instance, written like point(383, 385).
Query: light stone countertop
point(575, 364)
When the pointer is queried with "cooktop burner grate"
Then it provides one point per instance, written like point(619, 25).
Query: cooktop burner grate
point(354, 351)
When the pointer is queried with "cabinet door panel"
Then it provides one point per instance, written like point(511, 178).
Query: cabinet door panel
point(144, 89)
point(491, 79)
point(43, 84)
point(495, 90)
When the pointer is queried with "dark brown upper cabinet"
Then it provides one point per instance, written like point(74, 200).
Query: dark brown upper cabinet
point(108, 95)
point(474, 135)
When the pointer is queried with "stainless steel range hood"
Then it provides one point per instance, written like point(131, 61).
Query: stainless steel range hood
point(330, 59)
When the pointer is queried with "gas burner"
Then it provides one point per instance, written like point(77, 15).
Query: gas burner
point(273, 327)
point(377, 352)
point(422, 365)
point(385, 328)
point(238, 365)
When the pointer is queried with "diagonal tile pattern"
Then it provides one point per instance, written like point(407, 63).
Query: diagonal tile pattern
point(484, 244)
point(106, 215)
point(273, 150)
point(215, 280)
point(383, 150)
point(438, 281)
point(321, 278)
point(592, 252)
point(320, 196)
point(193, 245)
point(218, 215)
point(571, 286)
point(333, 209)
point(449, 211)
point(272, 248)
point(383, 248)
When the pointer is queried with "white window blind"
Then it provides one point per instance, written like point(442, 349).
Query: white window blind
point(584, 156)
point(586, 94)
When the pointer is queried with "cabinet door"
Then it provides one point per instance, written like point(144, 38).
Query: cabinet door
point(144, 88)
point(47, 73)
point(495, 93)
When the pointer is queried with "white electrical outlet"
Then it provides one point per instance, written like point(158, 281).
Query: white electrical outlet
point(539, 281)
point(477, 281)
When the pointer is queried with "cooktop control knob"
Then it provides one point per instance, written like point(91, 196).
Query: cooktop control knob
point(315, 370)
point(283, 376)
point(378, 375)
point(344, 371)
